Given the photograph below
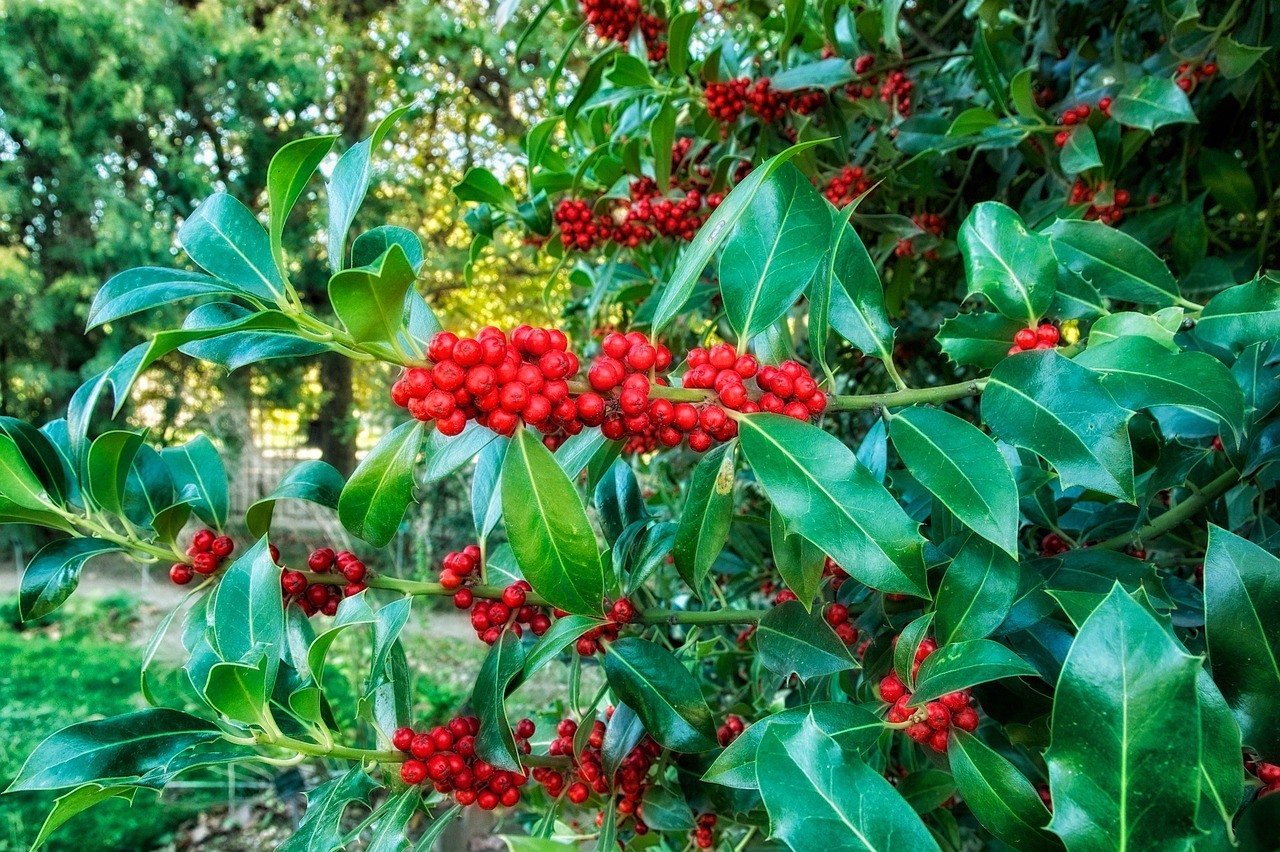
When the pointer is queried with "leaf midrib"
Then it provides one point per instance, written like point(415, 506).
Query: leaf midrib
point(544, 522)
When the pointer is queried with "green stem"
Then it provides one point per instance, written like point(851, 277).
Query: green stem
point(150, 552)
point(910, 396)
point(338, 751)
point(1175, 516)
point(715, 616)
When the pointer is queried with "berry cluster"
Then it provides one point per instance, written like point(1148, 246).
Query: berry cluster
point(1052, 544)
point(727, 101)
point(1075, 115)
point(620, 613)
point(704, 836)
point(845, 187)
point(654, 30)
point(731, 729)
point(624, 366)
point(1267, 773)
point(930, 223)
point(1189, 77)
point(612, 20)
point(1044, 337)
point(324, 598)
point(837, 615)
point(837, 574)
point(587, 772)
point(496, 382)
point(490, 618)
point(896, 92)
point(643, 219)
point(207, 551)
point(769, 104)
point(866, 89)
point(446, 756)
point(930, 723)
point(460, 567)
point(807, 101)
point(789, 389)
point(1108, 214)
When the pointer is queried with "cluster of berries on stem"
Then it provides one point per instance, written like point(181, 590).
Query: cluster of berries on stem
point(727, 101)
point(928, 724)
point(208, 550)
point(497, 382)
point(1027, 339)
point(704, 835)
point(313, 598)
point(1095, 197)
point(645, 217)
point(731, 729)
point(846, 187)
point(587, 772)
point(446, 756)
point(1189, 77)
point(490, 618)
point(1267, 773)
point(612, 20)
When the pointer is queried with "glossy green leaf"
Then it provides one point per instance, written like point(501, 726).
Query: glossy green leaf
point(503, 664)
point(391, 821)
point(908, 646)
point(799, 563)
point(665, 810)
point(624, 733)
point(287, 176)
point(790, 640)
point(19, 486)
point(1220, 770)
point(347, 185)
point(548, 528)
point(311, 480)
point(696, 256)
point(562, 633)
point(144, 288)
point(619, 502)
point(239, 691)
point(1151, 103)
point(118, 748)
point(977, 340)
point(961, 665)
point(976, 593)
point(54, 572)
point(197, 465)
point(663, 694)
point(1235, 59)
point(445, 455)
point(1228, 181)
point(370, 300)
point(480, 185)
point(1080, 153)
point(963, 468)
point(1125, 704)
point(925, 790)
point(827, 496)
point(1012, 266)
point(821, 797)
point(77, 801)
point(209, 334)
point(1000, 796)
point(110, 456)
point(228, 242)
point(376, 242)
point(768, 259)
point(678, 33)
point(1140, 373)
point(708, 513)
point(857, 310)
point(1242, 316)
point(1061, 411)
point(1242, 622)
point(1114, 262)
point(1160, 327)
point(486, 488)
point(375, 498)
point(248, 614)
point(855, 730)
point(326, 805)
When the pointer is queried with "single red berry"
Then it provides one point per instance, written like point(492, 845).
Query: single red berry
point(955, 700)
point(321, 560)
point(293, 582)
point(622, 611)
point(222, 546)
point(180, 573)
point(402, 738)
point(892, 688)
point(578, 792)
point(1047, 334)
point(837, 614)
point(462, 598)
point(413, 772)
point(1268, 773)
point(938, 742)
point(203, 539)
point(1025, 338)
point(939, 715)
point(513, 597)
point(204, 563)
point(525, 728)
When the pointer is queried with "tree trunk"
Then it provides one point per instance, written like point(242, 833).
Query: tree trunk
point(333, 430)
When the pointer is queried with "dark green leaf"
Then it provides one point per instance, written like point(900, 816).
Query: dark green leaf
point(926, 789)
point(826, 496)
point(146, 287)
point(370, 300)
point(1220, 776)
point(347, 185)
point(41, 456)
point(857, 309)
point(1114, 262)
point(223, 236)
point(1235, 59)
point(562, 633)
point(548, 528)
point(666, 811)
point(325, 806)
point(619, 502)
point(53, 573)
point(110, 456)
point(77, 801)
point(1000, 796)
point(248, 614)
point(19, 486)
point(118, 748)
point(1124, 712)
point(197, 464)
point(962, 466)
point(663, 694)
point(1241, 316)
point(1081, 151)
point(708, 514)
point(1151, 103)
point(821, 797)
point(1228, 181)
point(624, 732)
point(313, 480)
point(961, 665)
point(792, 641)
point(375, 498)
point(799, 563)
point(495, 742)
point(1242, 622)
point(486, 488)
point(1009, 264)
point(1060, 411)
point(373, 244)
point(977, 592)
point(977, 340)
point(287, 176)
point(445, 455)
point(391, 822)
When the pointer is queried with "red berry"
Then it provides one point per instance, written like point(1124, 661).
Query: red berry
point(1025, 338)
point(293, 582)
point(203, 539)
point(413, 772)
point(578, 792)
point(204, 563)
point(837, 614)
point(462, 598)
point(1047, 334)
point(402, 738)
point(222, 546)
point(938, 742)
point(966, 719)
point(513, 597)
point(180, 573)
point(892, 688)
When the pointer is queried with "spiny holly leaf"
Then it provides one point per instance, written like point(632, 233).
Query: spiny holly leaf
point(793, 641)
point(1242, 623)
point(768, 260)
point(326, 805)
point(978, 340)
point(548, 528)
point(1009, 264)
point(998, 794)
point(120, 748)
point(977, 592)
point(77, 801)
point(504, 663)
point(1125, 714)
point(1242, 316)
point(821, 797)
point(1114, 262)
point(1152, 102)
point(856, 730)
point(1060, 411)
point(708, 513)
point(962, 466)
point(663, 694)
point(826, 496)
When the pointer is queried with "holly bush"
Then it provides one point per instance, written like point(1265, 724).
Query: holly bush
point(899, 466)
